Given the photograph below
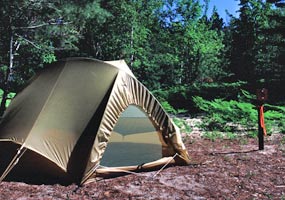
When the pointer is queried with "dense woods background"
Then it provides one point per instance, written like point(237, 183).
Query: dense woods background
point(173, 46)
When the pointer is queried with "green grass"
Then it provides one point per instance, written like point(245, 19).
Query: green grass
point(213, 136)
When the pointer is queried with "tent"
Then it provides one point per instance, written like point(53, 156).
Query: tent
point(82, 118)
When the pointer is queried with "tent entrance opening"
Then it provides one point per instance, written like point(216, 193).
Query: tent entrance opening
point(134, 140)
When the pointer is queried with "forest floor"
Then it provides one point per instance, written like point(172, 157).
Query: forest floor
point(221, 169)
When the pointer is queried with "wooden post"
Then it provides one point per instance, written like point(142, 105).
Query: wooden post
point(260, 130)
point(262, 96)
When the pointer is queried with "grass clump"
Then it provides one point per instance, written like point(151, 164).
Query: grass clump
point(213, 136)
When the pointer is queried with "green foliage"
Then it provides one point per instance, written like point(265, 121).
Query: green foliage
point(3, 68)
point(182, 124)
point(232, 116)
point(257, 45)
point(271, 50)
point(275, 118)
point(204, 48)
point(246, 96)
point(171, 46)
point(252, 134)
point(213, 136)
point(49, 58)
point(231, 136)
point(38, 32)
point(180, 96)
point(217, 89)
point(168, 108)
point(161, 95)
point(226, 115)
point(10, 96)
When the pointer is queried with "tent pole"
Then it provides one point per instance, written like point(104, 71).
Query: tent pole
point(13, 162)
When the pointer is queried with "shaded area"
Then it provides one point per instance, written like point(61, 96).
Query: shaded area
point(32, 168)
point(85, 143)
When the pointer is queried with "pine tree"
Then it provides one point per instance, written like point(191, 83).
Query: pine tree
point(271, 51)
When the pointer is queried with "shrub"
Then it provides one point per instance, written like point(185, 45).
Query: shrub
point(274, 118)
point(182, 124)
point(226, 115)
point(229, 116)
point(10, 96)
point(181, 96)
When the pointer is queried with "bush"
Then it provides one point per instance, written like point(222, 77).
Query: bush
point(168, 108)
point(181, 96)
point(182, 124)
point(274, 118)
point(10, 96)
point(230, 116)
point(226, 115)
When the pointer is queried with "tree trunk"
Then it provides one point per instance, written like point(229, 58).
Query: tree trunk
point(7, 78)
point(132, 47)
point(3, 103)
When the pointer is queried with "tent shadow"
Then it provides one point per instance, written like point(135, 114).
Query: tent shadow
point(32, 168)
point(81, 153)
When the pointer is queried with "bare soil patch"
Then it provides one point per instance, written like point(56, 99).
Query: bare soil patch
point(221, 169)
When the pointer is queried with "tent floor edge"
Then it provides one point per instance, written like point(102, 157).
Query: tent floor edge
point(111, 172)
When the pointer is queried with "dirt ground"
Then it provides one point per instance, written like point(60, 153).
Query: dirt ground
point(221, 169)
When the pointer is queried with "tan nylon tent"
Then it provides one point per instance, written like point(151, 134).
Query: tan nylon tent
point(77, 118)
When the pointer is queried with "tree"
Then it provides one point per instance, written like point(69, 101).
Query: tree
point(216, 22)
point(271, 50)
point(243, 40)
point(205, 51)
point(184, 48)
point(202, 45)
point(19, 21)
point(128, 33)
point(35, 32)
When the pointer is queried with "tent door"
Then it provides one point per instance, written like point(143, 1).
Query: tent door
point(134, 140)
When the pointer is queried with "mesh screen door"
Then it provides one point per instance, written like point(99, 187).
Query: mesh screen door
point(134, 140)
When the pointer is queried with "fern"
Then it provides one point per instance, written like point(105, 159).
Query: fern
point(226, 116)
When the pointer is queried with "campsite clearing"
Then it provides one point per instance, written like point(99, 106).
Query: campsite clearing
point(221, 169)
